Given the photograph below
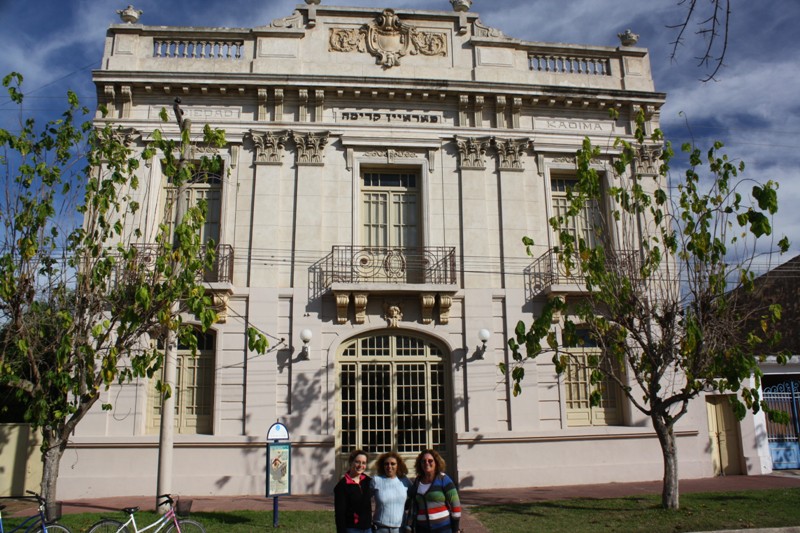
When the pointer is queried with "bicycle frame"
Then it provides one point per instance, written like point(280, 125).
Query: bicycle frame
point(158, 524)
point(30, 522)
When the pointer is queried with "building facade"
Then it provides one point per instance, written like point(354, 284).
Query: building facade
point(381, 170)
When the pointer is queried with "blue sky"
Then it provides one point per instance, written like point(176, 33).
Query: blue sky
point(753, 107)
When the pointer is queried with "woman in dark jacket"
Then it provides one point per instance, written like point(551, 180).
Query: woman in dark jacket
point(353, 497)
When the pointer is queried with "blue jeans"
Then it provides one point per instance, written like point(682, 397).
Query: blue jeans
point(387, 530)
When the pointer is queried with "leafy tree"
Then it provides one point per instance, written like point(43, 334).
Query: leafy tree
point(660, 282)
point(82, 290)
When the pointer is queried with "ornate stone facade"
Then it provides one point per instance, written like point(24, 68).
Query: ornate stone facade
point(381, 168)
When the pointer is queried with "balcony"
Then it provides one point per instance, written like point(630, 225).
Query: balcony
point(360, 270)
point(220, 273)
point(218, 279)
point(547, 276)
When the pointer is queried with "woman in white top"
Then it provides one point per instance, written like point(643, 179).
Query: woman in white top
point(390, 489)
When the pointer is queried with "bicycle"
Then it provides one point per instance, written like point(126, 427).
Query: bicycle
point(169, 519)
point(36, 523)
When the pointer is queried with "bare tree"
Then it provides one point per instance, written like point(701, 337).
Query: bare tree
point(711, 20)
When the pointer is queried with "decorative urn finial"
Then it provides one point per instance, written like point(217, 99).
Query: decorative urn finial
point(313, 2)
point(129, 14)
point(461, 5)
point(628, 38)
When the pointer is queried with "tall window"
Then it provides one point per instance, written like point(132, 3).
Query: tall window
point(204, 186)
point(584, 226)
point(578, 388)
point(193, 391)
point(391, 395)
point(390, 209)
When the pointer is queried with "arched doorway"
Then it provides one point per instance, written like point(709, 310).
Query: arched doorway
point(392, 395)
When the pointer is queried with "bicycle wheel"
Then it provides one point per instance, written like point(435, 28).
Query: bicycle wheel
point(108, 526)
point(53, 528)
point(187, 526)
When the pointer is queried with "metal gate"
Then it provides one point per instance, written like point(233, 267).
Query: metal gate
point(784, 443)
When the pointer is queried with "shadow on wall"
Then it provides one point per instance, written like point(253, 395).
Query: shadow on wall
point(304, 401)
point(20, 462)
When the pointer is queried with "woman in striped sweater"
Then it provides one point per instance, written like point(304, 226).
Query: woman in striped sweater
point(435, 506)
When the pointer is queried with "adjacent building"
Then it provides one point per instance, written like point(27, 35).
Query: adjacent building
point(381, 170)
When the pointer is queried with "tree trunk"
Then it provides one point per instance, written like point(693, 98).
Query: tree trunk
point(52, 461)
point(669, 450)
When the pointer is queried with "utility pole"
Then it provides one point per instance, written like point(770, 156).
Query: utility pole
point(166, 438)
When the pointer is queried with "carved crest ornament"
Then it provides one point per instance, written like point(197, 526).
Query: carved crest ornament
point(388, 39)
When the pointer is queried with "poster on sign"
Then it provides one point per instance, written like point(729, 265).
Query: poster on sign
point(279, 469)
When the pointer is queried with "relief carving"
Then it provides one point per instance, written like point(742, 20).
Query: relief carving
point(510, 152)
point(269, 145)
point(310, 147)
point(390, 154)
point(393, 314)
point(295, 20)
point(360, 304)
point(648, 159)
point(347, 40)
point(388, 39)
point(479, 29)
point(126, 136)
point(471, 152)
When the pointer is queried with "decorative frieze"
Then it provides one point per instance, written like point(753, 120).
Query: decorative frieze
point(269, 146)
point(472, 151)
point(310, 147)
point(388, 39)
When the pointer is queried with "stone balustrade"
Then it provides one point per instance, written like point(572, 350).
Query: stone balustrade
point(590, 66)
point(197, 49)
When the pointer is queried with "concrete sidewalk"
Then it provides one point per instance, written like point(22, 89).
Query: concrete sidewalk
point(469, 498)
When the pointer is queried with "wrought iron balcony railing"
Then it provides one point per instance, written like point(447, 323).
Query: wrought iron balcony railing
point(547, 275)
point(221, 270)
point(367, 264)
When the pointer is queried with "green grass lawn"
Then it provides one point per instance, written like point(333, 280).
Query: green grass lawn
point(699, 512)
